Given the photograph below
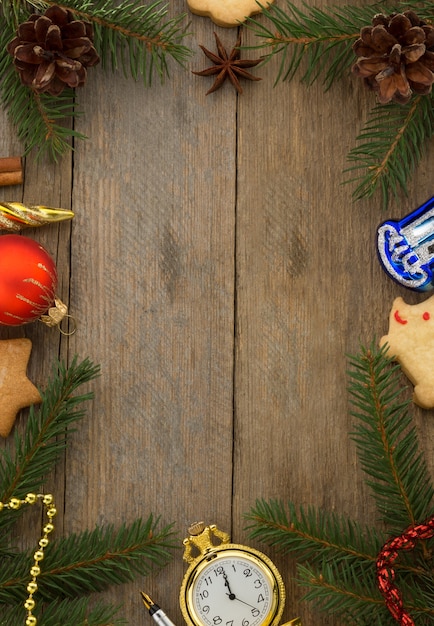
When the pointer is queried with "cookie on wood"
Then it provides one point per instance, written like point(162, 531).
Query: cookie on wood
point(410, 342)
point(227, 13)
point(16, 390)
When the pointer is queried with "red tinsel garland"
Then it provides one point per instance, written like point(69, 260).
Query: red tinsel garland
point(386, 574)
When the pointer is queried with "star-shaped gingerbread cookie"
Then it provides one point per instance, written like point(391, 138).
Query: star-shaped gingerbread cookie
point(16, 390)
point(227, 13)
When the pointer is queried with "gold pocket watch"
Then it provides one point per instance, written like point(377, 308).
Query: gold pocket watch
point(228, 584)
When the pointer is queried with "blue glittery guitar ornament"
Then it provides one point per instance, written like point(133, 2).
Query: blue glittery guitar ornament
point(406, 248)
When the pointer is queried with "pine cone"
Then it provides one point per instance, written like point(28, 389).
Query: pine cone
point(396, 56)
point(53, 50)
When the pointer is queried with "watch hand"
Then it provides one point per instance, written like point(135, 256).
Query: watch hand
point(239, 600)
point(230, 594)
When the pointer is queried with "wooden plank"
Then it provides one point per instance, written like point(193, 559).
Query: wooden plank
point(309, 291)
point(152, 287)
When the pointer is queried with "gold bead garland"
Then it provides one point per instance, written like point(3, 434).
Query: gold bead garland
point(14, 504)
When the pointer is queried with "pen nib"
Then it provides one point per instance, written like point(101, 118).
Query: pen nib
point(147, 601)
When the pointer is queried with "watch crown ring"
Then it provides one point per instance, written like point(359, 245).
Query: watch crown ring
point(196, 529)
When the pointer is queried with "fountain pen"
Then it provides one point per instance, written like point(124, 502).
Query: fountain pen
point(155, 612)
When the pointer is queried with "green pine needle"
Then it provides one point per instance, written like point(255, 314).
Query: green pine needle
point(313, 535)
point(390, 148)
point(25, 463)
point(356, 600)
point(335, 555)
point(90, 561)
point(345, 593)
point(387, 443)
point(315, 41)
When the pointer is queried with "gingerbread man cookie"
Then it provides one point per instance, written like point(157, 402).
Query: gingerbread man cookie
point(227, 13)
point(16, 390)
point(411, 343)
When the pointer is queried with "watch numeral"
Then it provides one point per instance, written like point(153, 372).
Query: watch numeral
point(245, 622)
point(247, 572)
point(261, 598)
point(255, 612)
point(217, 619)
point(204, 594)
point(257, 583)
point(230, 623)
point(206, 608)
point(208, 580)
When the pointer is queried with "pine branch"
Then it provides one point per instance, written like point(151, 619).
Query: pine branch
point(90, 561)
point(35, 453)
point(424, 9)
point(390, 148)
point(336, 556)
point(387, 444)
point(322, 38)
point(314, 535)
point(342, 593)
point(138, 38)
point(141, 39)
point(39, 119)
point(79, 564)
point(336, 562)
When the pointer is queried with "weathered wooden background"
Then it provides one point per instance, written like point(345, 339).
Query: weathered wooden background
point(219, 273)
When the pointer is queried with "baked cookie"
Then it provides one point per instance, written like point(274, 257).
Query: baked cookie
point(227, 13)
point(16, 390)
point(411, 344)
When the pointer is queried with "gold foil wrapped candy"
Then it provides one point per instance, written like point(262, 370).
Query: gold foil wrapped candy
point(15, 216)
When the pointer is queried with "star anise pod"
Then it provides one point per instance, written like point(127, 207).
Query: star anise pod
point(227, 66)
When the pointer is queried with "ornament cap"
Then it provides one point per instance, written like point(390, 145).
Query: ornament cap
point(56, 314)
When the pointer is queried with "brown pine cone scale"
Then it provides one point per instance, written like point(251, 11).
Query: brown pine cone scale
point(396, 56)
point(53, 50)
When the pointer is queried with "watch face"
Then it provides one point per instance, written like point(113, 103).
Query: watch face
point(233, 588)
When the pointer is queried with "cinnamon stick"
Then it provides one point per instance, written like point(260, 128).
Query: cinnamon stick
point(11, 171)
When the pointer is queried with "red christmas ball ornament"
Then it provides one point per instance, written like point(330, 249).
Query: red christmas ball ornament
point(28, 280)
